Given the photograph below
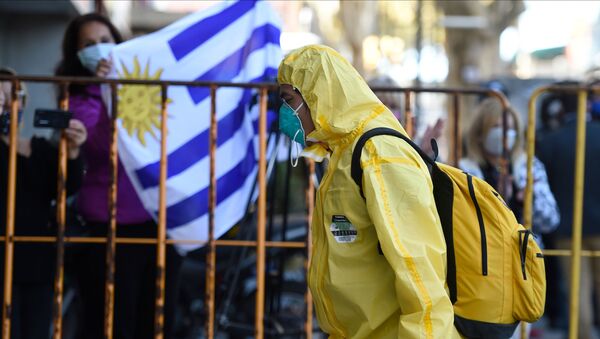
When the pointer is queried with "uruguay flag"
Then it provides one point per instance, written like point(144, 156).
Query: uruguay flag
point(230, 42)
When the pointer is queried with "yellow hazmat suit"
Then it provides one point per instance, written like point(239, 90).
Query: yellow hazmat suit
point(378, 265)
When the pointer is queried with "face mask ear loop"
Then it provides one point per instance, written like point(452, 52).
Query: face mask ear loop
point(294, 159)
point(301, 130)
point(298, 117)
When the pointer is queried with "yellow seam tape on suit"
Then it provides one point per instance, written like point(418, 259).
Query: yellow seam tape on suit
point(390, 160)
point(351, 137)
point(412, 268)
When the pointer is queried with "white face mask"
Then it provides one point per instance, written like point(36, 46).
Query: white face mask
point(493, 140)
point(91, 55)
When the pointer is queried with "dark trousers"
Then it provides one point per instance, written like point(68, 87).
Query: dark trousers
point(589, 285)
point(135, 281)
point(31, 310)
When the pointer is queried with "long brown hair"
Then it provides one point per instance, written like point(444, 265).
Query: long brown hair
point(70, 64)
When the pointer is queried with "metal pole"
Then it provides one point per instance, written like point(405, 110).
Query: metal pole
point(456, 140)
point(99, 6)
point(528, 203)
point(109, 290)
point(419, 40)
point(418, 47)
point(257, 85)
point(262, 207)
point(503, 179)
point(153, 241)
point(310, 203)
point(10, 211)
point(577, 215)
point(162, 222)
point(61, 209)
point(408, 116)
point(531, 121)
point(211, 258)
point(568, 253)
point(284, 223)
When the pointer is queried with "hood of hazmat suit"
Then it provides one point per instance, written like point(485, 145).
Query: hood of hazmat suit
point(378, 264)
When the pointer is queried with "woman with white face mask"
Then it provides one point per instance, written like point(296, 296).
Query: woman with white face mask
point(484, 154)
point(86, 50)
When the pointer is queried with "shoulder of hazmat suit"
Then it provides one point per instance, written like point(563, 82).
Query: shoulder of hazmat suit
point(378, 264)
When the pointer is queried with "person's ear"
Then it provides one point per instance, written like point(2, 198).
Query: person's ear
point(306, 109)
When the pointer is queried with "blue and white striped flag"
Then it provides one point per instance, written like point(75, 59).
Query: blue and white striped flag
point(231, 42)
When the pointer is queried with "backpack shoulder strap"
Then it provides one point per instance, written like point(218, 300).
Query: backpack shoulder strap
point(356, 170)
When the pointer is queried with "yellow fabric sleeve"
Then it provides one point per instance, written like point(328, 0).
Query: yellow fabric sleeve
point(400, 203)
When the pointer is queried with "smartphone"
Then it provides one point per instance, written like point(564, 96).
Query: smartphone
point(5, 121)
point(51, 118)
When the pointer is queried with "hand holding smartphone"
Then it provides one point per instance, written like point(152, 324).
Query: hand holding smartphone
point(51, 118)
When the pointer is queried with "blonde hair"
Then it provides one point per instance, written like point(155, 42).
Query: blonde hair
point(485, 117)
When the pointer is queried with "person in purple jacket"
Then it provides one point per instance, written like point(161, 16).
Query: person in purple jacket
point(86, 45)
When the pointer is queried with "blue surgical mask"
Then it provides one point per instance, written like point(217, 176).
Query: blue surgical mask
point(91, 55)
point(5, 121)
point(290, 125)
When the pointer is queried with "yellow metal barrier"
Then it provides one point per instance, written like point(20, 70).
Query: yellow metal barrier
point(576, 252)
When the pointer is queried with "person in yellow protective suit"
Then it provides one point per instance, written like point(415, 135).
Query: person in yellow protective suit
point(379, 263)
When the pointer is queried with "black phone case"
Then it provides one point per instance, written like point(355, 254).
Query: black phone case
point(51, 118)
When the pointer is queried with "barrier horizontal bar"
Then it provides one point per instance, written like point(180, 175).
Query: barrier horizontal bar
point(568, 253)
point(150, 241)
point(95, 80)
point(268, 85)
point(225, 243)
point(444, 90)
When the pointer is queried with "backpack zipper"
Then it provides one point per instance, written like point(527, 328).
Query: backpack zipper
point(523, 242)
point(484, 269)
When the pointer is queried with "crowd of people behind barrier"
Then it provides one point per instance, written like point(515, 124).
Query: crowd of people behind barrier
point(86, 43)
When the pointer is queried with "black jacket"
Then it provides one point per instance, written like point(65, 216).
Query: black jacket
point(557, 152)
point(35, 189)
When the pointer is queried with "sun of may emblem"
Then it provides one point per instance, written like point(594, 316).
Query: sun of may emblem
point(140, 105)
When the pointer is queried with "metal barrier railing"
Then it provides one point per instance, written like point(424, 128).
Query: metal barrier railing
point(455, 94)
point(161, 241)
point(456, 115)
point(576, 251)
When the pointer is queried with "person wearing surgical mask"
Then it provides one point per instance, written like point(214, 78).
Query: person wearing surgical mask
point(295, 123)
point(87, 44)
point(558, 151)
point(484, 153)
point(371, 274)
